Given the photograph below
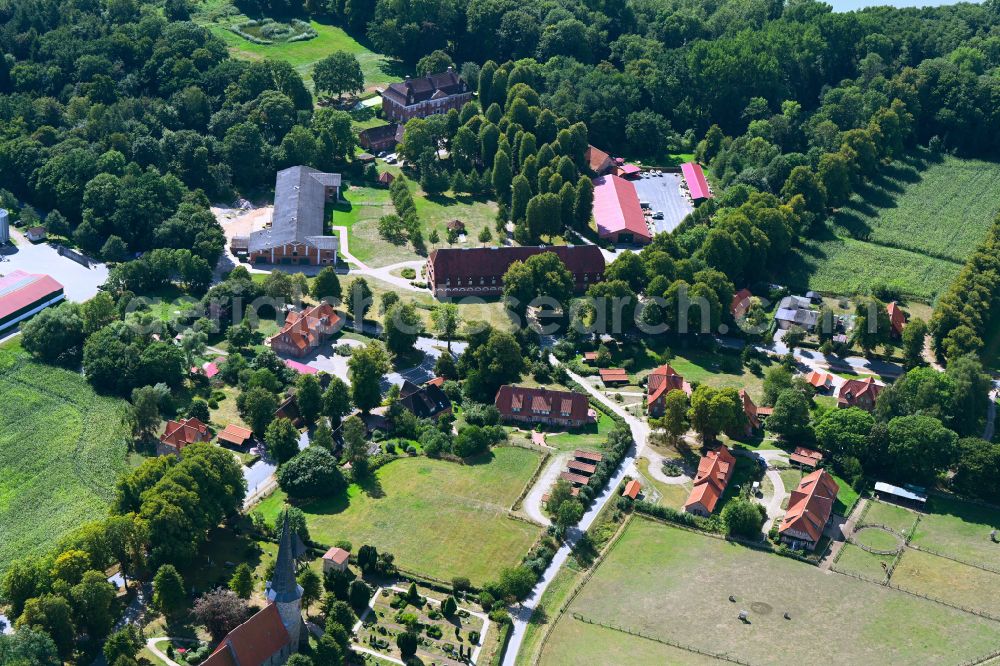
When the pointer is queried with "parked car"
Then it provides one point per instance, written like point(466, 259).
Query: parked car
point(658, 215)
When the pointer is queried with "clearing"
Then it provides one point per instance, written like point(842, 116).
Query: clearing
point(439, 518)
point(674, 585)
point(62, 447)
point(912, 228)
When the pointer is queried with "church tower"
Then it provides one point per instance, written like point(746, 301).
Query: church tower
point(284, 590)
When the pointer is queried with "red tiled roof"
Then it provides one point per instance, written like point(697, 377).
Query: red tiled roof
point(301, 368)
point(581, 467)
point(819, 379)
point(235, 434)
point(632, 489)
point(574, 478)
point(489, 262)
point(337, 555)
point(853, 390)
point(437, 381)
point(19, 289)
point(179, 434)
point(750, 409)
point(304, 329)
point(714, 471)
point(695, 179)
point(588, 455)
point(896, 317)
point(663, 380)
point(253, 642)
point(554, 404)
point(597, 159)
point(613, 375)
point(811, 504)
point(386, 178)
point(740, 303)
point(590, 356)
point(617, 208)
point(627, 170)
point(804, 456)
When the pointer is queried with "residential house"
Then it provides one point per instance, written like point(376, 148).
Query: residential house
point(303, 331)
point(382, 138)
point(479, 271)
point(335, 559)
point(715, 469)
point(236, 436)
point(426, 402)
point(520, 404)
point(897, 319)
point(289, 409)
point(295, 236)
point(796, 311)
point(750, 410)
point(659, 383)
point(599, 162)
point(859, 393)
point(179, 434)
point(809, 509)
point(425, 96)
point(740, 304)
point(819, 380)
point(618, 212)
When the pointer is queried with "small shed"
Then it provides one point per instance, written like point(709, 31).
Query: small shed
point(909, 495)
point(235, 435)
point(456, 225)
point(36, 234)
point(335, 559)
point(386, 178)
point(632, 489)
point(365, 158)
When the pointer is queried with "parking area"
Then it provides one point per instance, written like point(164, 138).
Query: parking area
point(663, 193)
point(79, 282)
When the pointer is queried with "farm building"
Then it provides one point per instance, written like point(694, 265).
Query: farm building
point(660, 382)
point(859, 393)
point(599, 162)
point(425, 96)
point(796, 311)
point(694, 178)
point(806, 457)
point(426, 402)
point(521, 404)
point(335, 559)
point(632, 489)
point(381, 138)
point(618, 212)
point(715, 469)
point(479, 271)
point(809, 509)
point(235, 435)
point(306, 330)
point(179, 434)
point(23, 295)
point(296, 233)
point(909, 496)
point(613, 376)
point(897, 318)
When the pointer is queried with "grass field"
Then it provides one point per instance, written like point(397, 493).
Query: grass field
point(365, 205)
point(960, 530)
point(890, 515)
point(438, 518)
point(857, 561)
point(912, 229)
point(675, 584)
point(218, 15)
point(948, 580)
point(62, 448)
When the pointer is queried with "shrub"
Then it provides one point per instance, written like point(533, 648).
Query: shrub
point(474, 637)
point(434, 631)
point(408, 273)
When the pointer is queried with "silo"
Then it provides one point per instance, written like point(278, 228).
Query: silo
point(4, 226)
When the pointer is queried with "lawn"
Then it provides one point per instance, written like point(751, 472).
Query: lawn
point(62, 447)
point(218, 15)
point(590, 437)
point(675, 584)
point(364, 205)
point(954, 582)
point(855, 560)
point(890, 515)
point(960, 530)
point(940, 209)
point(438, 518)
point(672, 495)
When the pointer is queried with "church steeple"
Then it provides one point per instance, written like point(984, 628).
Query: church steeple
point(283, 589)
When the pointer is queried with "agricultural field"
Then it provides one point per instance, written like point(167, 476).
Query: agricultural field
point(218, 15)
point(364, 205)
point(912, 229)
point(438, 518)
point(673, 584)
point(62, 447)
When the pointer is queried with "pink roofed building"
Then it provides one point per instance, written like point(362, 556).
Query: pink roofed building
point(617, 211)
point(696, 183)
point(300, 368)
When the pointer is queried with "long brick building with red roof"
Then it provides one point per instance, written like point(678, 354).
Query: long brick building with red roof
point(660, 382)
point(715, 469)
point(182, 433)
point(260, 641)
point(809, 509)
point(521, 404)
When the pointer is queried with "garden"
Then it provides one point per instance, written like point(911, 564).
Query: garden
point(441, 519)
point(670, 585)
point(446, 633)
point(62, 448)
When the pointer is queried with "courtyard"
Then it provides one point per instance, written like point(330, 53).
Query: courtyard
point(663, 192)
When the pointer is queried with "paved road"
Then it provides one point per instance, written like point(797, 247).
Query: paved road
point(522, 613)
point(260, 475)
point(533, 500)
point(79, 282)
